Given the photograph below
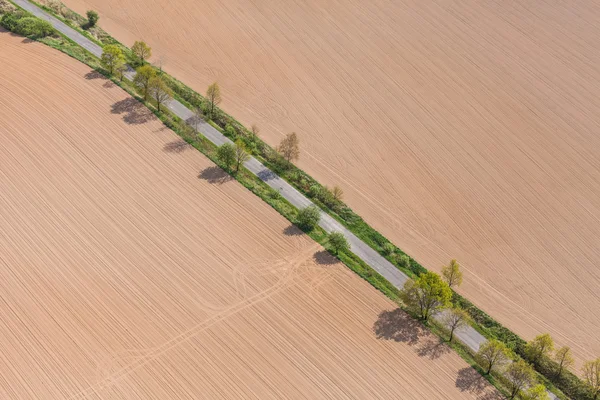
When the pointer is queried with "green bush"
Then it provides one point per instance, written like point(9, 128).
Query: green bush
point(34, 27)
point(308, 218)
point(92, 17)
point(388, 249)
point(338, 243)
point(25, 24)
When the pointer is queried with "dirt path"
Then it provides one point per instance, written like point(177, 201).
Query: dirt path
point(130, 272)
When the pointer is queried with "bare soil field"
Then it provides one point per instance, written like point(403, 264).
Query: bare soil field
point(458, 129)
point(132, 269)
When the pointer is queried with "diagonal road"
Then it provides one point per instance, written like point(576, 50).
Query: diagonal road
point(467, 335)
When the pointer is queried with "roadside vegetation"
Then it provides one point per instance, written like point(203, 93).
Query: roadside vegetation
point(424, 295)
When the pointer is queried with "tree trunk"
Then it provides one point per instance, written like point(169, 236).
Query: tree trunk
point(451, 335)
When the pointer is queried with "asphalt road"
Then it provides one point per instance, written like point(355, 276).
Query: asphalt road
point(469, 336)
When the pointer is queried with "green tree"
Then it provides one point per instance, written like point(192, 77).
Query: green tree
point(213, 95)
point(591, 374)
point(160, 91)
point(142, 78)
point(518, 375)
point(492, 354)
point(539, 347)
point(338, 242)
point(93, 18)
point(226, 154)
point(537, 392)
point(564, 360)
point(455, 318)
point(289, 147)
point(141, 50)
point(112, 58)
point(120, 70)
point(309, 217)
point(241, 156)
point(452, 274)
point(425, 295)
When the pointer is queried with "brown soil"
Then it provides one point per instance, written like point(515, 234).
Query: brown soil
point(459, 129)
point(132, 268)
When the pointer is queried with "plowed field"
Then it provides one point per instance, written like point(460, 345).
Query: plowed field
point(131, 269)
point(459, 129)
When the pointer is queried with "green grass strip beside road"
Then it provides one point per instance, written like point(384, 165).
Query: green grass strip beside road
point(301, 181)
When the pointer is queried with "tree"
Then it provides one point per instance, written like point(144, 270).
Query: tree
point(213, 95)
point(309, 217)
point(540, 346)
point(425, 295)
point(121, 71)
point(142, 78)
point(492, 354)
point(160, 91)
point(338, 242)
point(452, 274)
point(537, 392)
point(112, 58)
point(564, 359)
point(338, 193)
point(455, 318)
point(226, 154)
point(141, 50)
point(240, 154)
point(289, 147)
point(255, 130)
point(93, 18)
point(591, 374)
point(518, 375)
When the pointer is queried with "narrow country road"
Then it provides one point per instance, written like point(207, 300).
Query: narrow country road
point(469, 336)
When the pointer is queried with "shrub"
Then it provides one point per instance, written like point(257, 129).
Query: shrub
point(92, 17)
point(226, 154)
point(34, 27)
point(308, 218)
point(404, 261)
point(315, 191)
point(388, 249)
point(338, 242)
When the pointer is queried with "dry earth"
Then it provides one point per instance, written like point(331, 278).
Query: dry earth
point(131, 268)
point(459, 129)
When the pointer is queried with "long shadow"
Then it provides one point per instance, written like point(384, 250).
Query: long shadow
point(433, 348)
point(177, 146)
point(323, 257)
point(398, 326)
point(215, 175)
point(135, 112)
point(93, 74)
point(266, 175)
point(470, 381)
point(293, 230)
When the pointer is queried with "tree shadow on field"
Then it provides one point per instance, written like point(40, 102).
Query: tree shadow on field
point(176, 146)
point(93, 74)
point(323, 257)
point(108, 84)
point(433, 348)
point(135, 112)
point(470, 381)
point(215, 175)
point(398, 326)
point(293, 230)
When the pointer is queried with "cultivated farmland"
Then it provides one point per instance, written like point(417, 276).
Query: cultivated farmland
point(131, 268)
point(459, 129)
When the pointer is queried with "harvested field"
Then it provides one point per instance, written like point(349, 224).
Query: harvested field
point(458, 129)
point(131, 268)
